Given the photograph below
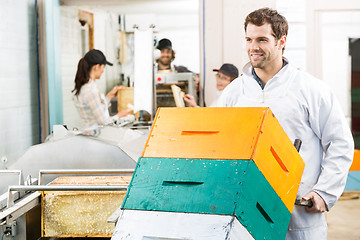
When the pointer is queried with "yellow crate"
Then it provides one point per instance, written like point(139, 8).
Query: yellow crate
point(229, 133)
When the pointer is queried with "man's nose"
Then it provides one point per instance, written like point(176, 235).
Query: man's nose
point(254, 45)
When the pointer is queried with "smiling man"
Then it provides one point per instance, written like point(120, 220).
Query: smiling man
point(306, 109)
point(167, 55)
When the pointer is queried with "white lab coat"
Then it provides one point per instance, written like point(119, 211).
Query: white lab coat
point(215, 102)
point(306, 109)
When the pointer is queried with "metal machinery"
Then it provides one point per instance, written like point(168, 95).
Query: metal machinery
point(152, 89)
point(163, 82)
point(108, 150)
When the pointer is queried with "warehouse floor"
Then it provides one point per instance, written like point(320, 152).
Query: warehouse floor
point(344, 219)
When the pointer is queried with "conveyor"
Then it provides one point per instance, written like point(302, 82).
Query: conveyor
point(20, 206)
point(108, 150)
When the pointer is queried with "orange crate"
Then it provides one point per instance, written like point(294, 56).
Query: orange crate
point(355, 166)
point(229, 133)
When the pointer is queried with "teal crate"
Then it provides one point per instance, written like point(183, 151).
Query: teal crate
point(225, 187)
point(353, 181)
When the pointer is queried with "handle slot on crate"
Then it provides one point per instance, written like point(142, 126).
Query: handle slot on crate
point(181, 183)
point(279, 161)
point(197, 132)
point(264, 214)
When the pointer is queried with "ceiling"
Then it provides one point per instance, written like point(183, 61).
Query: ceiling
point(138, 6)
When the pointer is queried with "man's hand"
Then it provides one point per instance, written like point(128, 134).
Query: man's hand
point(189, 99)
point(318, 203)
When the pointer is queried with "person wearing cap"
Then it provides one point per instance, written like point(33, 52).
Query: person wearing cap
point(167, 55)
point(90, 103)
point(224, 76)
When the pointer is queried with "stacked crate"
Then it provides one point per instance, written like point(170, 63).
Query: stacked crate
point(204, 164)
point(353, 180)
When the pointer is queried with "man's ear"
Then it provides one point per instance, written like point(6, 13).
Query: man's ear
point(282, 42)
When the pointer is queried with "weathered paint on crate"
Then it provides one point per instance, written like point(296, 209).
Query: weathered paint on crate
point(233, 133)
point(226, 187)
point(137, 224)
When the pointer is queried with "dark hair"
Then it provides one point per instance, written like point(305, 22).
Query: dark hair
point(91, 58)
point(82, 75)
point(278, 23)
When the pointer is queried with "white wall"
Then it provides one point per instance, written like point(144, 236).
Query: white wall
point(295, 13)
point(19, 122)
point(111, 50)
point(183, 31)
point(329, 25)
point(70, 56)
point(224, 37)
point(99, 43)
point(337, 28)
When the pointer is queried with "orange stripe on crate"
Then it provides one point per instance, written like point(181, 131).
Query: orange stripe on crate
point(211, 133)
point(247, 133)
point(355, 166)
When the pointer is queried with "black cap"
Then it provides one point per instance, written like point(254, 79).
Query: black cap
point(94, 57)
point(228, 69)
point(164, 43)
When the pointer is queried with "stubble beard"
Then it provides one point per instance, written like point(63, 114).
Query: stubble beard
point(258, 64)
point(165, 62)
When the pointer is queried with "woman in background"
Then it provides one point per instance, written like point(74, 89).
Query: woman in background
point(90, 103)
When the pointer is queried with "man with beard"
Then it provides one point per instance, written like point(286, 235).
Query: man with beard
point(306, 109)
point(167, 56)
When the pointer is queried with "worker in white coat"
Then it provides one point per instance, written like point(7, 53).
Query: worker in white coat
point(305, 108)
point(225, 74)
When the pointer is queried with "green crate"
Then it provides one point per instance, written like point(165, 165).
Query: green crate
point(226, 187)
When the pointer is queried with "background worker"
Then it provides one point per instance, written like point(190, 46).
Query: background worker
point(306, 109)
point(167, 55)
point(224, 76)
point(90, 103)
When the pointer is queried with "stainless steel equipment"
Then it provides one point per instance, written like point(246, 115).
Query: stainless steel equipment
point(101, 151)
point(20, 206)
point(163, 82)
